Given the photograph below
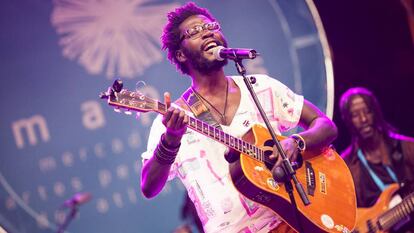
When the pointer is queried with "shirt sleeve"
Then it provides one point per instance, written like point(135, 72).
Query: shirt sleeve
point(157, 129)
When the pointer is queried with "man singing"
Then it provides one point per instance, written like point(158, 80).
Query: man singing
point(190, 37)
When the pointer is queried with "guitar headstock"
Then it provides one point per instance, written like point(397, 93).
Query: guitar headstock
point(129, 100)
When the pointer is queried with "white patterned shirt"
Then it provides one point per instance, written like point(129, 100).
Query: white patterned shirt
point(202, 168)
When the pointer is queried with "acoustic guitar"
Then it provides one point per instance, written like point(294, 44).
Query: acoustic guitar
point(326, 177)
point(379, 218)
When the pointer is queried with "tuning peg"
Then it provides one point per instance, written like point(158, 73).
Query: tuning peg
point(137, 115)
point(117, 85)
point(117, 110)
point(103, 95)
point(128, 112)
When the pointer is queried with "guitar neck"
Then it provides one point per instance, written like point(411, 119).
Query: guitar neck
point(136, 101)
point(220, 136)
point(401, 211)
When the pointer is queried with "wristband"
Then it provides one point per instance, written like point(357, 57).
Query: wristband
point(170, 148)
point(299, 141)
point(164, 153)
point(164, 158)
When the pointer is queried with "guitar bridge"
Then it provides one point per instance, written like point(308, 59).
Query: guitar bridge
point(310, 178)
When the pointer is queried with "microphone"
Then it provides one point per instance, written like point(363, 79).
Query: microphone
point(77, 199)
point(221, 53)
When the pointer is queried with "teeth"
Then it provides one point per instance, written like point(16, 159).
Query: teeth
point(211, 45)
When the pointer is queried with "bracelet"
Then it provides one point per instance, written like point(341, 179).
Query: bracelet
point(300, 141)
point(167, 147)
point(163, 158)
point(166, 154)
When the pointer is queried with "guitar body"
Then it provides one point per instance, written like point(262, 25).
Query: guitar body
point(325, 176)
point(365, 215)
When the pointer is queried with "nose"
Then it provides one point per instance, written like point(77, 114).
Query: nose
point(206, 33)
point(363, 117)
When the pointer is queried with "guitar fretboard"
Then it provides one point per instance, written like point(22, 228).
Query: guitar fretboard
point(222, 137)
point(397, 213)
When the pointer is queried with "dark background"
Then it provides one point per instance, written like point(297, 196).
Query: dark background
point(372, 47)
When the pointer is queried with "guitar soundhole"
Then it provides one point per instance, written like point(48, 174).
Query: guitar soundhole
point(269, 163)
point(269, 143)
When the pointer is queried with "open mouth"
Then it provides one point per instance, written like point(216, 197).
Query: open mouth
point(366, 129)
point(210, 45)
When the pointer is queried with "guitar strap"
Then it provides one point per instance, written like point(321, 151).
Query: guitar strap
point(374, 176)
point(198, 108)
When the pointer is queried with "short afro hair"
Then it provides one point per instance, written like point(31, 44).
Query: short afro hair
point(171, 34)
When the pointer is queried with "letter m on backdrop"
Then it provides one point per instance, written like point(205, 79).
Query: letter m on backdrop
point(28, 125)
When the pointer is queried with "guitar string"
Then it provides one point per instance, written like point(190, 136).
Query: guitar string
point(260, 155)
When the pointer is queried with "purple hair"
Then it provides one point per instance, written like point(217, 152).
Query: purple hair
point(171, 34)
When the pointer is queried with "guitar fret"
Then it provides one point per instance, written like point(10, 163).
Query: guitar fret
point(399, 213)
point(199, 125)
point(261, 154)
point(204, 129)
point(244, 147)
point(241, 146)
point(257, 156)
point(236, 144)
point(222, 135)
point(403, 209)
point(409, 204)
point(226, 139)
point(386, 219)
point(407, 208)
point(211, 131)
point(216, 134)
point(192, 122)
point(232, 141)
point(252, 149)
point(410, 201)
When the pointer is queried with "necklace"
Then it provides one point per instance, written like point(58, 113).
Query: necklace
point(222, 115)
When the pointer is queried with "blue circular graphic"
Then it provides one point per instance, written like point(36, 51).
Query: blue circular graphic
point(59, 138)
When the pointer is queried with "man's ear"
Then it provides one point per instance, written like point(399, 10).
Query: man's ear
point(180, 56)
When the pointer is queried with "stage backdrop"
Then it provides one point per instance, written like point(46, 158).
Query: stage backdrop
point(58, 138)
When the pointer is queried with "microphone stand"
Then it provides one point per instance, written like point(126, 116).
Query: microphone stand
point(68, 218)
point(288, 173)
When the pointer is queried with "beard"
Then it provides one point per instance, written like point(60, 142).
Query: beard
point(201, 64)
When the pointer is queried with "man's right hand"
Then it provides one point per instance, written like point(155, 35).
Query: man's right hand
point(175, 120)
